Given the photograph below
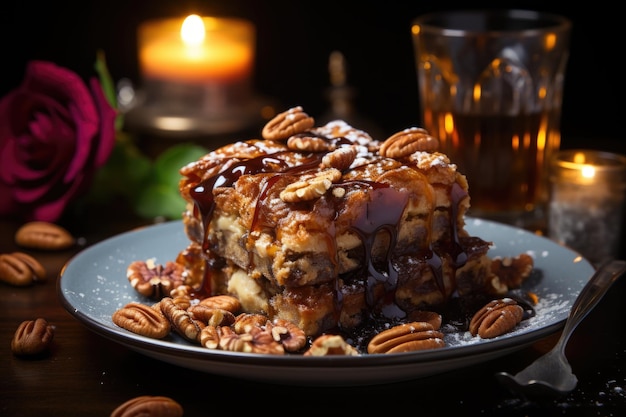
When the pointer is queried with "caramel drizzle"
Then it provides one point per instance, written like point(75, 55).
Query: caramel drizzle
point(383, 214)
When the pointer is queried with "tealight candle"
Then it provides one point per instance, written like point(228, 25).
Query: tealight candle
point(586, 210)
point(196, 74)
point(197, 50)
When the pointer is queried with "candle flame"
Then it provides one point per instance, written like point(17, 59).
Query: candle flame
point(192, 31)
point(588, 171)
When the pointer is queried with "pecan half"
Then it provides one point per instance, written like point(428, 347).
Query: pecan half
point(209, 337)
point(291, 336)
point(142, 320)
point(431, 317)
point(20, 269)
point(340, 158)
point(309, 144)
point(148, 405)
point(246, 321)
point(153, 280)
point(287, 123)
point(512, 271)
point(224, 302)
point(496, 318)
point(43, 235)
point(32, 337)
point(181, 320)
point(211, 316)
point(256, 341)
point(405, 338)
point(310, 188)
point(330, 344)
point(407, 141)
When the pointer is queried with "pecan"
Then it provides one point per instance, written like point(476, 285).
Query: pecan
point(496, 318)
point(340, 158)
point(330, 344)
point(147, 405)
point(287, 123)
point(225, 302)
point(180, 319)
point(431, 317)
point(246, 321)
point(43, 235)
point(20, 269)
point(143, 320)
point(407, 141)
point(256, 341)
point(309, 144)
point(32, 337)
point(211, 316)
point(310, 188)
point(209, 337)
point(153, 280)
point(512, 271)
point(288, 334)
point(405, 338)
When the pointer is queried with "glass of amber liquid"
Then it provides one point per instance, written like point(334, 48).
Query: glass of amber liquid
point(491, 87)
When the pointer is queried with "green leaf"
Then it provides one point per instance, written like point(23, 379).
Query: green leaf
point(108, 86)
point(159, 200)
point(168, 164)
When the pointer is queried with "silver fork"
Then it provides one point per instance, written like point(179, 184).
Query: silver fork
point(551, 376)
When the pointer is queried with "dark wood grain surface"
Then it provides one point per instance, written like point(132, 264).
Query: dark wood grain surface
point(87, 375)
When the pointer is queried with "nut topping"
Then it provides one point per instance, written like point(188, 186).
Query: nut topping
point(408, 141)
point(43, 235)
point(246, 321)
point(32, 337)
point(310, 188)
point(340, 158)
point(224, 302)
point(309, 144)
point(291, 336)
point(329, 344)
point(143, 320)
point(288, 123)
point(181, 320)
point(211, 316)
point(257, 340)
point(153, 280)
point(496, 318)
point(405, 338)
point(512, 271)
point(147, 405)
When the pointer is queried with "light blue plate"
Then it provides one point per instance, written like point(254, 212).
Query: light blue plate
point(93, 285)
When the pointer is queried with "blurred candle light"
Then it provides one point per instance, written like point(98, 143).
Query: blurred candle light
point(196, 75)
point(197, 50)
point(588, 191)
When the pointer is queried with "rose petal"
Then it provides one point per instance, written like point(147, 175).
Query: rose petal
point(67, 87)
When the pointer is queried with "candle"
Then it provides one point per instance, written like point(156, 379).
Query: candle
point(587, 194)
point(197, 50)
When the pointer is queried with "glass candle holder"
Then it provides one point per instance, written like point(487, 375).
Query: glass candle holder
point(586, 208)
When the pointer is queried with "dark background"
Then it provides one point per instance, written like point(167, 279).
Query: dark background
point(295, 38)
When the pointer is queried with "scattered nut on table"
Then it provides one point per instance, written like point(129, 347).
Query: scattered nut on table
point(44, 235)
point(20, 269)
point(148, 405)
point(32, 337)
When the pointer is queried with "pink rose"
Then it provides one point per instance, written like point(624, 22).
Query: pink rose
point(54, 135)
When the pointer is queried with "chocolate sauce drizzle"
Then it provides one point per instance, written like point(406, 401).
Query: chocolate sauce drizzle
point(382, 215)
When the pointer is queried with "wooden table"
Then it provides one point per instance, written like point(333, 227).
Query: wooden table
point(88, 375)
